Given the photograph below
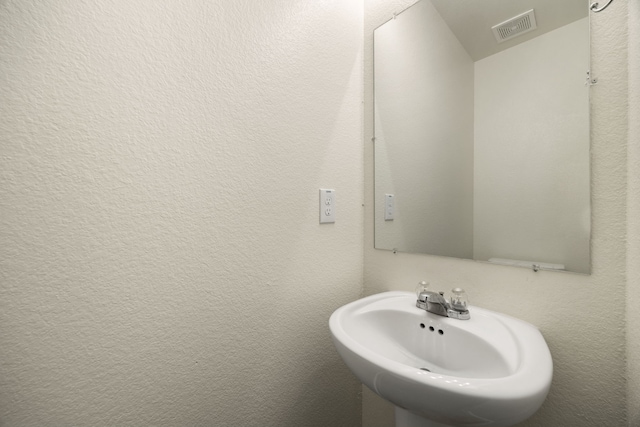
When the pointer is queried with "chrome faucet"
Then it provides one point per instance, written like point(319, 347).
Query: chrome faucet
point(436, 303)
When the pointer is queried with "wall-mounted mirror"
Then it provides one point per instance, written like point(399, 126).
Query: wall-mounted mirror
point(482, 144)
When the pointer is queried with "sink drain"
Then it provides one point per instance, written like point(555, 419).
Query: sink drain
point(425, 369)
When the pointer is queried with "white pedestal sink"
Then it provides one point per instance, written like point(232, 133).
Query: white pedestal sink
point(490, 370)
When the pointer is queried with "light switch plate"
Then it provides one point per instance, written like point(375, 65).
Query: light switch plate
point(327, 206)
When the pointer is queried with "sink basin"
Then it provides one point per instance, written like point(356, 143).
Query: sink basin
point(490, 370)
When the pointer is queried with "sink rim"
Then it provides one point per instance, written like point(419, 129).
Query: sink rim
point(530, 381)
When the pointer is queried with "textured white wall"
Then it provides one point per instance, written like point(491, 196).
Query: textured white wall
point(531, 164)
point(633, 216)
point(581, 317)
point(415, 118)
point(161, 257)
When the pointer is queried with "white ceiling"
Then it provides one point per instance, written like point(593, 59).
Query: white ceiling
point(471, 20)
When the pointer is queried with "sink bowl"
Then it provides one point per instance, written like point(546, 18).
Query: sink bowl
point(490, 370)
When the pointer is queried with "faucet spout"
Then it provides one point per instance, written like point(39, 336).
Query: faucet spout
point(433, 302)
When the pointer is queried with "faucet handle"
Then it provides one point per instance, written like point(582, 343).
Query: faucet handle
point(422, 286)
point(459, 299)
point(421, 295)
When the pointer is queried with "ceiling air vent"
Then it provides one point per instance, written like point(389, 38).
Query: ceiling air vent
point(515, 26)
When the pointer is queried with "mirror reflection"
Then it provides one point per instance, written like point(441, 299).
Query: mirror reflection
point(482, 135)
